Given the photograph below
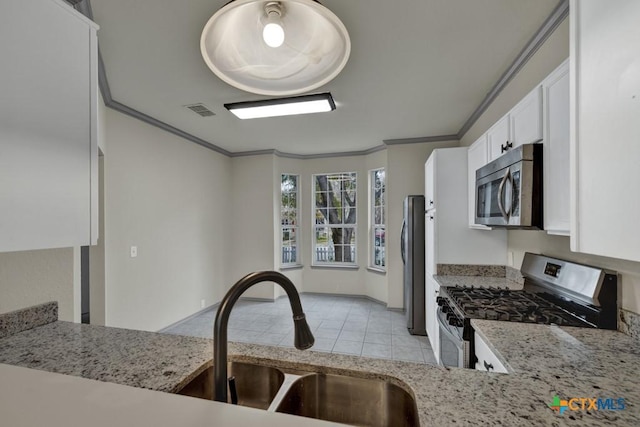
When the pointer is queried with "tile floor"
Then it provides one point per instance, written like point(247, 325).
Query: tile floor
point(347, 325)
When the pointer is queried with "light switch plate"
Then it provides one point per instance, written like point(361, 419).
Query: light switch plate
point(134, 251)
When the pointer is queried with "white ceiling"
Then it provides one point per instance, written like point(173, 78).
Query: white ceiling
point(418, 68)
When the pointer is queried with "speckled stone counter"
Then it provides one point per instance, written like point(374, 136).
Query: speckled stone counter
point(563, 351)
point(135, 358)
point(477, 281)
point(28, 318)
point(444, 396)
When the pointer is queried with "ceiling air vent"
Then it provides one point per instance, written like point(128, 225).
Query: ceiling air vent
point(201, 109)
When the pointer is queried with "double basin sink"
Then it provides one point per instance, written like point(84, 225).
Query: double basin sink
point(337, 398)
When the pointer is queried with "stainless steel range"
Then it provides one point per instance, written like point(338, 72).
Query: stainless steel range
point(555, 292)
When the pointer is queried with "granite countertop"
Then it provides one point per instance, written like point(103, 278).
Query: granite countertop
point(609, 357)
point(136, 358)
point(546, 361)
point(444, 396)
point(477, 281)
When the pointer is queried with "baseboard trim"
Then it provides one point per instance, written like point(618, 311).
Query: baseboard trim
point(186, 319)
point(377, 301)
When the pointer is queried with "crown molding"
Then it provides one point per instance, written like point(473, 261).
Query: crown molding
point(439, 138)
point(548, 27)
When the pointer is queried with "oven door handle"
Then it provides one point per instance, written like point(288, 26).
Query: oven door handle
point(444, 327)
point(501, 188)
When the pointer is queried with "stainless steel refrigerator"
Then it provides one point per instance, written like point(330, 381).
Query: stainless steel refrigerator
point(412, 247)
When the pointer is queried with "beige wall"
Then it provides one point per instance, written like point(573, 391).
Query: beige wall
point(250, 230)
point(171, 199)
point(34, 277)
point(547, 58)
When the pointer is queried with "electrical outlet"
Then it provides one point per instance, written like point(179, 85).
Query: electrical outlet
point(202, 303)
point(134, 251)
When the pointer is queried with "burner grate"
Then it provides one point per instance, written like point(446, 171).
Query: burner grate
point(510, 305)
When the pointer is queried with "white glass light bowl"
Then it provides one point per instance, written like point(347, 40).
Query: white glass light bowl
point(316, 47)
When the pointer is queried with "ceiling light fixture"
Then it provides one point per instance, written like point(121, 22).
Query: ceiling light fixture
point(306, 104)
point(283, 47)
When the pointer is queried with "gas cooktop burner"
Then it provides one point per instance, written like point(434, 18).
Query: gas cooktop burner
point(510, 305)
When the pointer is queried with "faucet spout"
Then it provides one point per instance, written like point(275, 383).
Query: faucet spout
point(303, 338)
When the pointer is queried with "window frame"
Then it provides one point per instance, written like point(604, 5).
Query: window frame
point(295, 227)
point(373, 225)
point(315, 226)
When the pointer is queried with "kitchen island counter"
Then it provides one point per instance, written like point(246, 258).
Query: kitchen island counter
point(443, 396)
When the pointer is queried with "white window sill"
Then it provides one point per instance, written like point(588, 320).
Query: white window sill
point(336, 266)
point(291, 266)
point(377, 270)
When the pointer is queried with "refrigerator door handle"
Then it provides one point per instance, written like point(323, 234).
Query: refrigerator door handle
point(402, 239)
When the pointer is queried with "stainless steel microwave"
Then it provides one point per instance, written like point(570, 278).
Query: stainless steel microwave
point(509, 189)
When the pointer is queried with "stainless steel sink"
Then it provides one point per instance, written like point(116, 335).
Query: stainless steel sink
point(257, 385)
point(349, 400)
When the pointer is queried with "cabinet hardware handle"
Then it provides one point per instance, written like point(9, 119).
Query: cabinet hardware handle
point(430, 216)
point(488, 366)
point(431, 202)
point(506, 146)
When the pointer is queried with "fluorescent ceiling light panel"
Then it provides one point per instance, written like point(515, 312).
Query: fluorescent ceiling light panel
point(306, 104)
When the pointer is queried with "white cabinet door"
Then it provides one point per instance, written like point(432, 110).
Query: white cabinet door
point(498, 138)
point(430, 242)
point(487, 360)
point(48, 137)
point(433, 330)
point(429, 183)
point(556, 151)
point(477, 156)
point(526, 119)
point(605, 127)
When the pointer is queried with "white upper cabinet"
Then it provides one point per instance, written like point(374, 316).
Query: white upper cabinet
point(605, 127)
point(526, 119)
point(48, 126)
point(498, 138)
point(522, 125)
point(556, 151)
point(542, 115)
point(477, 156)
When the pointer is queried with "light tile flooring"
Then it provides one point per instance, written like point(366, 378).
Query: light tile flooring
point(347, 325)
